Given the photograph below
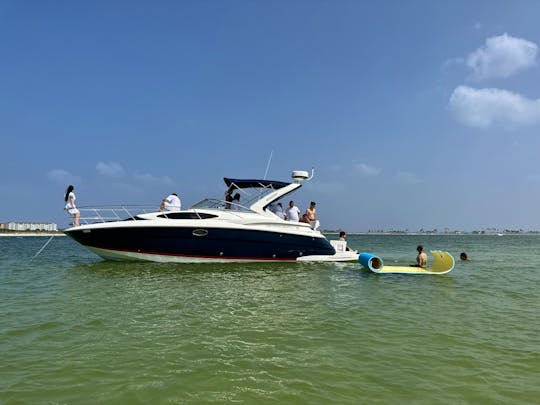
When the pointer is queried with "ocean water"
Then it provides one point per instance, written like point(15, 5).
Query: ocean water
point(78, 330)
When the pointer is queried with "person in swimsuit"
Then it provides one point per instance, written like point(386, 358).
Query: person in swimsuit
point(421, 259)
point(311, 212)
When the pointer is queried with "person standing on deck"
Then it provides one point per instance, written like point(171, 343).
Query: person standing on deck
point(70, 207)
point(292, 213)
point(278, 210)
point(311, 212)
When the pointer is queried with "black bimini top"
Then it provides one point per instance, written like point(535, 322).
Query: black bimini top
point(239, 183)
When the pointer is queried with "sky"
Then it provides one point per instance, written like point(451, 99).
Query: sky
point(414, 115)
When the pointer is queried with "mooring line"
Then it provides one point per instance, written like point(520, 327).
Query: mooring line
point(43, 247)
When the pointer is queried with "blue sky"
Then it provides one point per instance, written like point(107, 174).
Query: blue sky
point(416, 114)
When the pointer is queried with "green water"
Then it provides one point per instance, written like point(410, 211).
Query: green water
point(75, 329)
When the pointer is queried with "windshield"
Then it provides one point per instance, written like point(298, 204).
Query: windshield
point(247, 197)
point(215, 204)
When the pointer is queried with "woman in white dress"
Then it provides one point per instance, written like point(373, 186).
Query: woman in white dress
point(70, 205)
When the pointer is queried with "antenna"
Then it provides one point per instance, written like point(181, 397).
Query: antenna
point(312, 173)
point(268, 164)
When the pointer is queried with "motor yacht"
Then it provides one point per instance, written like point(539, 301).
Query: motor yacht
point(213, 230)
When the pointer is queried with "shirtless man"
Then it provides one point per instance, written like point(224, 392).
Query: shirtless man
point(311, 212)
point(421, 259)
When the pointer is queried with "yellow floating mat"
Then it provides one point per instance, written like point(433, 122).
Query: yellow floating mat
point(443, 262)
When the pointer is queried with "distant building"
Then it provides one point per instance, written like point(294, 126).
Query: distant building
point(29, 226)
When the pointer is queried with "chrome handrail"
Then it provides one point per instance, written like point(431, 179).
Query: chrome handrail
point(90, 215)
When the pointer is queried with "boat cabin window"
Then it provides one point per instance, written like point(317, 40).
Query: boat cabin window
point(187, 215)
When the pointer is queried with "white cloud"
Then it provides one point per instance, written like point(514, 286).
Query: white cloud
point(484, 108)
point(111, 169)
point(502, 57)
point(409, 178)
point(367, 170)
point(62, 176)
point(151, 179)
point(451, 63)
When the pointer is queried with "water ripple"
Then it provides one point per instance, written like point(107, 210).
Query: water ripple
point(78, 330)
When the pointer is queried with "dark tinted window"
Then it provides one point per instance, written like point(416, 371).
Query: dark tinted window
point(187, 215)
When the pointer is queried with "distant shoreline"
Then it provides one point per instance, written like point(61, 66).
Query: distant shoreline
point(32, 234)
point(474, 233)
point(60, 233)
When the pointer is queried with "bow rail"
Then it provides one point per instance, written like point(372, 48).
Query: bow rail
point(109, 213)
